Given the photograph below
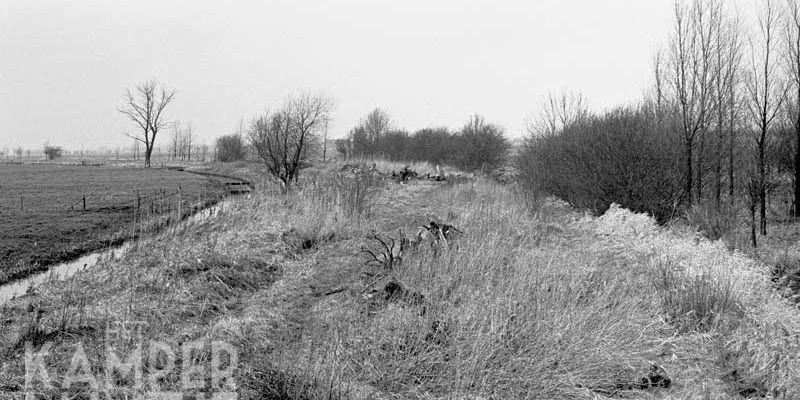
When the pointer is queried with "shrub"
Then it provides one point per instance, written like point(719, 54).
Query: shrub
point(346, 197)
point(354, 193)
point(368, 136)
point(481, 145)
point(625, 156)
point(434, 145)
point(52, 152)
point(478, 146)
point(230, 148)
point(694, 302)
point(712, 222)
point(785, 271)
point(344, 147)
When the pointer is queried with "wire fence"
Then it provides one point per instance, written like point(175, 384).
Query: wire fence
point(153, 201)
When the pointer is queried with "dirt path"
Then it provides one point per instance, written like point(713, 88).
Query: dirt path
point(315, 281)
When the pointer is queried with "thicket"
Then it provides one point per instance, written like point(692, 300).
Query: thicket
point(477, 146)
point(53, 152)
point(231, 148)
point(625, 156)
point(720, 121)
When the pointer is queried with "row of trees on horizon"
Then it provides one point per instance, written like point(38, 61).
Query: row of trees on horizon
point(285, 139)
point(300, 127)
point(478, 146)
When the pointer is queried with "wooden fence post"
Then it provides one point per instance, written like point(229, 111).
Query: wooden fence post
point(84, 203)
point(180, 204)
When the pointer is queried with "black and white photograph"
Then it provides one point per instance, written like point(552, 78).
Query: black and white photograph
point(373, 199)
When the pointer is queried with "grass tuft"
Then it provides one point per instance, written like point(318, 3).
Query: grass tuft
point(695, 303)
point(712, 222)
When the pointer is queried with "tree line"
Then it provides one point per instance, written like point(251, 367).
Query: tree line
point(50, 152)
point(477, 146)
point(286, 138)
point(720, 122)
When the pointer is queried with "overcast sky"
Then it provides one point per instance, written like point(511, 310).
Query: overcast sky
point(64, 65)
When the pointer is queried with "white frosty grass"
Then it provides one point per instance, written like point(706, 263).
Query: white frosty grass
point(767, 340)
point(696, 256)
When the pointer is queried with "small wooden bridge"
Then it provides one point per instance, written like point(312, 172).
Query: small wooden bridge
point(238, 187)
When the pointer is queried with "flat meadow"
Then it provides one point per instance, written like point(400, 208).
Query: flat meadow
point(51, 213)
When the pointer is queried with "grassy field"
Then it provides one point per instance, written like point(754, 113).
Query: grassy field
point(544, 304)
point(43, 217)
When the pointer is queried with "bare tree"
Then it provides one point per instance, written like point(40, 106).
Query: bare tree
point(52, 152)
point(203, 150)
point(18, 151)
point(284, 138)
point(766, 93)
point(181, 141)
point(691, 77)
point(708, 18)
point(727, 62)
point(187, 137)
point(175, 141)
point(324, 141)
point(792, 54)
point(365, 137)
point(658, 82)
point(145, 106)
point(482, 145)
point(558, 111)
point(377, 123)
point(735, 100)
point(752, 190)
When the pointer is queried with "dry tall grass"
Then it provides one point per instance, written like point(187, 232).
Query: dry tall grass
point(756, 348)
point(551, 305)
point(512, 309)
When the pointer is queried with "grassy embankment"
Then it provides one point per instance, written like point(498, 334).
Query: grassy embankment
point(551, 305)
point(44, 221)
point(778, 250)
